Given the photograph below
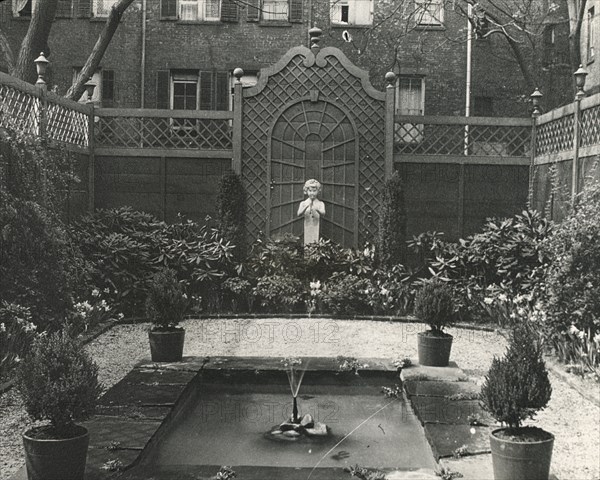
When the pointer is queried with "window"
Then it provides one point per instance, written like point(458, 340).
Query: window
point(101, 8)
point(104, 92)
point(429, 12)
point(351, 12)
point(200, 10)
point(591, 35)
point(23, 8)
point(410, 100)
point(274, 10)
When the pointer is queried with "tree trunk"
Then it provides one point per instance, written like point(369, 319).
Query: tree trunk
point(114, 18)
point(7, 52)
point(36, 40)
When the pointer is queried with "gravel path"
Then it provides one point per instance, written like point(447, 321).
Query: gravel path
point(574, 420)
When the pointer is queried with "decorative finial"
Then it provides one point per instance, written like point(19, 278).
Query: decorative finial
point(238, 73)
point(315, 37)
point(390, 78)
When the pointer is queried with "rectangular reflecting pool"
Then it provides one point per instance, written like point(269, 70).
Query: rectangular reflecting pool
point(229, 417)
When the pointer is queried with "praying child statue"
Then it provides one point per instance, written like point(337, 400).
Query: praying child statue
point(313, 209)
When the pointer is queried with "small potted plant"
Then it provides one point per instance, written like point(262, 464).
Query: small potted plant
point(165, 306)
point(516, 388)
point(434, 306)
point(59, 385)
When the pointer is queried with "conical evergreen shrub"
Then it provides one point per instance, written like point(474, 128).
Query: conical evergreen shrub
point(231, 205)
point(392, 223)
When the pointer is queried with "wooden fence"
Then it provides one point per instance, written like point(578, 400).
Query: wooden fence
point(457, 170)
point(566, 155)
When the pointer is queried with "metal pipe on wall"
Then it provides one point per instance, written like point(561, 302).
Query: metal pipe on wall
point(143, 57)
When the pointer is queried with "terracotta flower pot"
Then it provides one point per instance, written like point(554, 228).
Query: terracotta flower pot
point(49, 459)
point(434, 350)
point(514, 460)
point(166, 346)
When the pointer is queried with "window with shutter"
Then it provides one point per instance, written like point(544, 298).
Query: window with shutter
point(108, 88)
point(351, 12)
point(410, 100)
point(229, 11)
point(296, 10)
point(162, 89)
point(253, 10)
point(168, 9)
point(591, 34)
point(64, 9)
point(102, 8)
point(275, 10)
point(84, 8)
point(199, 10)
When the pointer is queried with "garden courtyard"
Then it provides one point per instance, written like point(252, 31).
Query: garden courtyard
point(573, 418)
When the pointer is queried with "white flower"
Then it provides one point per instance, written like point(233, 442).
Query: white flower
point(315, 285)
point(596, 338)
point(502, 297)
point(384, 291)
point(106, 290)
point(488, 300)
point(573, 330)
point(2, 327)
point(120, 316)
point(95, 292)
point(185, 296)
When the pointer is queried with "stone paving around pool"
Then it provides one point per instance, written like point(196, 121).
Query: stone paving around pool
point(132, 416)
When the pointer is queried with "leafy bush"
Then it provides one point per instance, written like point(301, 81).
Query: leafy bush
point(392, 292)
point(392, 223)
point(167, 301)
point(90, 312)
point(125, 248)
point(347, 294)
point(17, 332)
point(231, 205)
point(517, 385)
point(59, 383)
point(279, 293)
point(434, 305)
point(39, 268)
point(572, 279)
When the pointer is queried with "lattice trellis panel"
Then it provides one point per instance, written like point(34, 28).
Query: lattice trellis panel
point(555, 136)
point(420, 137)
point(67, 126)
point(19, 110)
point(336, 84)
point(590, 126)
point(156, 132)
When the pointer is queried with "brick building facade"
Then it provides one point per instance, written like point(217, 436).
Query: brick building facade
point(180, 53)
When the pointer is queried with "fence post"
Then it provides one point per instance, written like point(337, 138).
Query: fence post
point(535, 99)
point(390, 107)
point(236, 164)
point(91, 161)
point(579, 75)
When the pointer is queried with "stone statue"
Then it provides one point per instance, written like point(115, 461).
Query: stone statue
point(313, 209)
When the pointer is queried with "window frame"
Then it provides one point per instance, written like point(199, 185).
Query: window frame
point(410, 133)
point(97, 79)
point(201, 8)
point(336, 9)
point(282, 19)
point(15, 12)
point(424, 16)
point(95, 3)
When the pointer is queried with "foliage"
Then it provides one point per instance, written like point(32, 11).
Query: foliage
point(517, 385)
point(572, 279)
point(391, 291)
point(90, 312)
point(392, 223)
point(125, 248)
point(279, 293)
point(225, 473)
point(580, 352)
point(347, 294)
point(231, 205)
point(38, 265)
point(434, 305)
point(363, 473)
point(59, 382)
point(17, 332)
point(167, 301)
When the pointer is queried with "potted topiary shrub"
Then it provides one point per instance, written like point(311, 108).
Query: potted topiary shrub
point(434, 306)
point(516, 388)
point(59, 384)
point(165, 306)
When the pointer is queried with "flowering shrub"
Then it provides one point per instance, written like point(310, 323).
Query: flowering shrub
point(579, 351)
point(88, 314)
point(16, 335)
point(572, 281)
point(391, 292)
point(347, 294)
point(279, 293)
